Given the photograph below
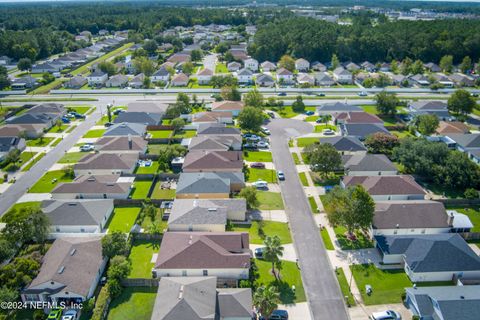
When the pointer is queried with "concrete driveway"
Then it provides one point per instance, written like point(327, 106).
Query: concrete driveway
point(363, 312)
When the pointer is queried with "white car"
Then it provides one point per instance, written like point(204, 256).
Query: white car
point(265, 130)
point(386, 315)
point(87, 148)
point(262, 145)
point(260, 184)
point(71, 314)
point(328, 132)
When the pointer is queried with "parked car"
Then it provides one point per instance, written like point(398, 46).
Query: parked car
point(282, 94)
point(87, 148)
point(79, 115)
point(258, 165)
point(55, 314)
point(474, 94)
point(271, 114)
point(250, 145)
point(118, 111)
point(65, 120)
point(279, 315)
point(70, 115)
point(265, 130)
point(309, 113)
point(108, 124)
point(386, 315)
point(328, 132)
point(362, 94)
point(280, 175)
point(260, 184)
point(253, 137)
point(320, 94)
point(262, 144)
point(259, 253)
point(71, 314)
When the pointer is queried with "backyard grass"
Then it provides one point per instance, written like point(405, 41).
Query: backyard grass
point(221, 68)
point(133, 303)
point(141, 257)
point(303, 178)
point(261, 229)
point(401, 134)
point(362, 241)
point(296, 160)
point(321, 127)
point(140, 189)
point(472, 212)
point(160, 134)
point(21, 205)
point(72, 157)
point(254, 174)
point(148, 170)
point(49, 181)
point(270, 200)
point(96, 133)
point(387, 285)
point(257, 156)
point(313, 204)
point(123, 219)
point(289, 276)
point(326, 239)
point(185, 134)
point(286, 112)
point(342, 281)
point(159, 193)
point(303, 142)
point(39, 142)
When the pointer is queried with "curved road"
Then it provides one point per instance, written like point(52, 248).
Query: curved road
point(321, 287)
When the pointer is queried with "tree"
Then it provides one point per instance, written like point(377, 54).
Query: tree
point(273, 252)
point(196, 55)
point(177, 124)
point(144, 65)
point(446, 63)
point(24, 64)
point(250, 195)
point(114, 244)
point(28, 224)
point(335, 62)
point(119, 269)
point(147, 82)
point(8, 294)
point(253, 98)
point(461, 102)
point(386, 103)
point(109, 112)
point(287, 62)
point(188, 67)
point(68, 172)
point(47, 78)
point(458, 172)
point(221, 48)
point(381, 142)
point(107, 67)
point(7, 249)
point(466, 64)
point(352, 208)
point(470, 194)
point(223, 81)
point(406, 66)
point(394, 66)
point(266, 299)
point(150, 46)
point(168, 153)
point(417, 67)
point(58, 124)
point(250, 119)
point(230, 93)
point(323, 158)
point(149, 210)
point(426, 124)
point(298, 105)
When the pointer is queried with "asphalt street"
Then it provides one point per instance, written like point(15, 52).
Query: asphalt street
point(319, 280)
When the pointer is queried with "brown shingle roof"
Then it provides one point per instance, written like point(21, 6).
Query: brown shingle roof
point(121, 143)
point(211, 116)
point(107, 161)
point(357, 117)
point(94, 185)
point(201, 160)
point(445, 127)
point(386, 185)
point(227, 105)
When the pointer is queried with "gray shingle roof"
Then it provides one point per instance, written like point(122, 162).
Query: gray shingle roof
point(77, 212)
point(345, 143)
point(139, 117)
point(124, 129)
point(202, 183)
point(368, 162)
point(337, 107)
point(466, 140)
point(363, 129)
point(216, 129)
point(203, 211)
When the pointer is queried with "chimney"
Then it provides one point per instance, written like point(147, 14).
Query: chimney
point(450, 218)
point(130, 144)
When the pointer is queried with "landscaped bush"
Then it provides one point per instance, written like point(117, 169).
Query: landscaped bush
point(103, 300)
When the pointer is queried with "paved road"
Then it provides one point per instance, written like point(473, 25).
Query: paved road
point(322, 289)
point(209, 61)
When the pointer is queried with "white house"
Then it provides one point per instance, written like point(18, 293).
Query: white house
point(234, 66)
point(204, 76)
point(245, 76)
point(366, 164)
point(284, 76)
point(302, 65)
point(161, 75)
point(251, 64)
point(268, 66)
point(97, 78)
point(342, 75)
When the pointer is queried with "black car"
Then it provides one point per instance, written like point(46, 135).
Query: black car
point(259, 253)
point(108, 124)
point(282, 94)
point(279, 315)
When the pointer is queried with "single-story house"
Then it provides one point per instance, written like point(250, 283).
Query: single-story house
point(352, 66)
point(217, 129)
point(141, 117)
point(234, 66)
point(264, 80)
point(432, 257)
point(432, 67)
point(8, 144)
point(76, 82)
point(179, 57)
point(244, 76)
point(31, 131)
point(97, 78)
point(225, 255)
point(449, 127)
point(420, 80)
point(25, 82)
point(70, 272)
point(305, 79)
point(213, 161)
point(323, 79)
point(356, 117)
point(147, 106)
point(204, 76)
point(438, 108)
point(110, 186)
point(337, 107)
point(207, 215)
point(368, 66)
point(179, 80)
point(362, 130)
point(77, 217)
point(126, 129)
point(251, 64)
point(216, 143)
point(106, 163)
point(118, 80)
point(228, 106)
point(342, 75)
point(284, 76)
point(161, 75)
point(121, 145)
point(401, 187)
point(212, 117)
point(318, 66)
point(302, 64)
point(346, 145)
point(366, 164)
point(467, 143)
point(462, 80)
point(137, 81)
point(209, 185)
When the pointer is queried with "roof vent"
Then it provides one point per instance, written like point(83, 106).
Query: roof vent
point(462, 297)
point(212, 209)
point(73, 251)
point(60, 271)
point(180, 293)
point(72, 204)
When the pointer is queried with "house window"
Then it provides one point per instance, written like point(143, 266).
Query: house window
point(423, 230)
point(184, 273)
point(57, 229)
point(205, 273)
point(395, 231)
point(82, 230)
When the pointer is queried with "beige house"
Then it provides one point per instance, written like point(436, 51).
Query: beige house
point(106, 163)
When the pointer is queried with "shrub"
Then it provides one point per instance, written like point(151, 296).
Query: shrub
point(471, 193)
point(103, 300)
point(11, 167)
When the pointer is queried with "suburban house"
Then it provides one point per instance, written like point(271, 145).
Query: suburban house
point(31, 131)
point(401, 187)
point(305, 79)
point(117, 81)
point(5, 61)
point(323, 79)
point(137, 81)
point(368, 66)
point(244, 76)
point(438, 108)
point(432, 67)
point(141, 117)
point(346, 145)
point(251, 64)
point(77, 217)
point(126, 129)
point(268, 66)
point(209, 185)
point(284, 76)
point(444, 302)
point(204, 76)
point(234, 66)
point(76, 82)
point(45, 115)
point(22, 83)
point(147, 106)
point(206, 215)
point(199, 298)
point(179, 80)
point(213, 161)
point(318, 66)
point(466, 143)
point(362, 130)
point(420, 80)
point(121, 145)
point(69, 273)
point(179, 57)
point(432, 257)
point(161, 75)
point(452, 127)
point(228, 106)
point(337, 107)
point(216, 129)
point(302, 65)
point(110, 186)
point(264, 80)
point(97, 78)
point(352, 66)
point(216, 143)
point(225, 255)
point(8, 144)
point(356, 117)
point(462, 80)
point(366, 164)
point(342, 76)
point(106, 163)
point(212, 117)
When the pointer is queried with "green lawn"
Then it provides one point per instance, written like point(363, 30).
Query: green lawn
point(290, 275)
point(49, 181)
point(311, 118)
point(473, 213)
point(40, 142)
point(141, 189)
point(134, 303)
point(221, 68)
point(342, 280)
point(387, 285)
point(72, 157)
point(362, 241)
point(185, 134)
point(326, 239)
point(313, 204)
point(140, 256)
point(296, 160)
point(148, 170)
point(303, 142)
point(159, 193)
point(254, 174)
point(123, 219)
point(260, 229)
point(56, 142)
point(81, 109)
point(96, 133)
point(21, 205)
point(303, 178)
point(401, 134)
point(321, 127)
point(25, 156)
point(32, 163)
point(270, 200)
point(56, 129)
point(160, 134)
point(257, 156)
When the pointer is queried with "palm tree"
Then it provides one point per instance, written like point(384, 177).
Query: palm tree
point(266, 299)
point(273, 251)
